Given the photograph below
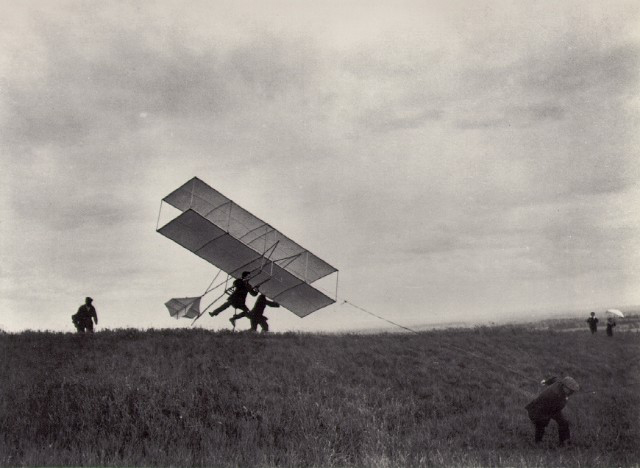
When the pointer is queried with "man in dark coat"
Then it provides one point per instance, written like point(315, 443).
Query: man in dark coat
point(238, 297)
point(257, 313)
point(593, 322)
point(84, 318)
point(549, 404)
point(610, 324)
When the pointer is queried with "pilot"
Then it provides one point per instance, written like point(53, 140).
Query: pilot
point(238, 297)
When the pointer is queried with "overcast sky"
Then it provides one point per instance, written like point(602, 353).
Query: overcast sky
point(455, 160)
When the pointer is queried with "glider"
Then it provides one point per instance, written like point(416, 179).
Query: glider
point(233, 240)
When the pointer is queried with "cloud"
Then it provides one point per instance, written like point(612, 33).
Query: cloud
point(478, 151)
point(95, 125)
point(516, 116)
point(104, 92)
point(536, 112)
point(471, 124)
point(558, 83)
point(388, 119)
point(106, 85)
point(575, 69)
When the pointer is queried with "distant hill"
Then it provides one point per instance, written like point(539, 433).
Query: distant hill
point(452, 397)
point(630, 323)
point(534, 319)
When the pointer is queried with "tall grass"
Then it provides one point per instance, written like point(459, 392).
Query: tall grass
point(199, 398)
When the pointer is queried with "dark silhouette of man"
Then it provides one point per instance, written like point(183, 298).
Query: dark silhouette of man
point(84, 318)
point(610, 324)
point(548, 405)
point(237, 298)
point(257, 313)
point(593, 322)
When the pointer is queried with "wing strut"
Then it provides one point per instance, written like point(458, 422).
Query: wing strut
point(253, 273)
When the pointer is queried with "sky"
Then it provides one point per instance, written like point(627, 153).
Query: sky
point(468, 161)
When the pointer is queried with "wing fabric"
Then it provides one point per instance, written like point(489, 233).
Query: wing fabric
point(188, 307)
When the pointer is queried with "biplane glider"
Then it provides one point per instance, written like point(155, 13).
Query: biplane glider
point(233, 240)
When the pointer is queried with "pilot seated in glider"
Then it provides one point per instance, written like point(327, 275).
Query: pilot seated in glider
point(238, 297)
point(548, 405)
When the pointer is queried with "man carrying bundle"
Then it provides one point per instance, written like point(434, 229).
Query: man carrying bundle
point(549, 404)
point(83, 318)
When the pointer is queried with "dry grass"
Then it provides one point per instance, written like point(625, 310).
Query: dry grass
point(198, 398)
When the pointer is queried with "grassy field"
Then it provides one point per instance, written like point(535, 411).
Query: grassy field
point(199, 398)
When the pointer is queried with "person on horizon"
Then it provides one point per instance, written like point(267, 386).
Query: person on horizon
point(548, 405)
point(593, 322)
point(84, 318)
point(610, 324)
point(237, 298)
point(257, 313)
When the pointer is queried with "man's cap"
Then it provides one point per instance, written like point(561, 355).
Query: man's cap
point(88, 299)
point(245, 273)
point(570, 384)
point(593, 313)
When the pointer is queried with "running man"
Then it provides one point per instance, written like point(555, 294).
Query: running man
point(238, 297)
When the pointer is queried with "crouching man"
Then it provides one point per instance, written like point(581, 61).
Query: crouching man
point(548, 405)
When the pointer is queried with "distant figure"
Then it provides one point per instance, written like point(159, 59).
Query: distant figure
point(237, 298)
point(84, 318)
point(548, 405)
point(257, 313)
point(593, 322)
point(610, 324)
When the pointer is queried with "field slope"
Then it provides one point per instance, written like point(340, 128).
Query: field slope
point(199, 398)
